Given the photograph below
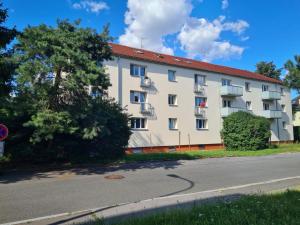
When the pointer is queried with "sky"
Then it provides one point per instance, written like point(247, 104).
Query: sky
point(228, 32)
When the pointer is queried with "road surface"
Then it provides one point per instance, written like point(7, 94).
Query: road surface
point(30, 194)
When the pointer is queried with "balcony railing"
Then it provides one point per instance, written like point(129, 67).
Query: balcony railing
point(230, 90)
point(146, 108)
point(145, 82)
point(271, 95)
point(272, 114)
point(200, 111)
point(226, 111)
point(199, 89)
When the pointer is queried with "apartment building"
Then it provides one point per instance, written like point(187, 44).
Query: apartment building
point(179, 104)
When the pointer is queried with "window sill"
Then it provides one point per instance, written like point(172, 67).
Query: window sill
point(137, 103)
point(174, 81)
point(201, 128)
point(139, 129)
point(173, 105)
point(173, 129)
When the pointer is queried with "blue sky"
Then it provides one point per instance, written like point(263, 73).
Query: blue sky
point(228, 32)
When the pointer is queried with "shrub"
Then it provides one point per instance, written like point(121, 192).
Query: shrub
point(244, 131)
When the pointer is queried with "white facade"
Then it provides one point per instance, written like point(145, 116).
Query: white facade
point(176, 124)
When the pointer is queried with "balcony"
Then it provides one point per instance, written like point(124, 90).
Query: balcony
point(226, 111)
point(271, 95)
point(272, 114)
point(200, 111)
point(231, 91)
point(145, 82)
point(199, 89)
point(146, 108)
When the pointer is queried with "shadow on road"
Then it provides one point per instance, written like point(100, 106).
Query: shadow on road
point(18, 175)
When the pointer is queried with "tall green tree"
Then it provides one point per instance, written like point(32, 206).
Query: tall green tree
point(57, 67)
point(292, 79)
point(6, 64)
point(268, 69)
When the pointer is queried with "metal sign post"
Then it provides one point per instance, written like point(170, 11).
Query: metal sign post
point(3, 135)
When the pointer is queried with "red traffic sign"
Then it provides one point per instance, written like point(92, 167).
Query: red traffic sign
point(3, 132)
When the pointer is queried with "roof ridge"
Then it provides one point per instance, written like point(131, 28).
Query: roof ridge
point(209, 66)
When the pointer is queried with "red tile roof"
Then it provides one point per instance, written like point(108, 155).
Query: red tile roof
point(145, 55)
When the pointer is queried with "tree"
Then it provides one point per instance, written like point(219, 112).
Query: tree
point(268, 69)
point(7, 66)
point(292, 79)
point(57, 65)
point(244, 131)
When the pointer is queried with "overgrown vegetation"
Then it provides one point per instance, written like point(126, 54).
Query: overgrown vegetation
point(244, 131)
point(279, 208)
point(57, 108)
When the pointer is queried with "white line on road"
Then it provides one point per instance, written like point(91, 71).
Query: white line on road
point(171, 196)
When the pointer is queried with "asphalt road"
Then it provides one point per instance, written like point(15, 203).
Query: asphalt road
point(29, 195)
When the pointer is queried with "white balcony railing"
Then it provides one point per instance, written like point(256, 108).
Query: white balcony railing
point(226, 111)
point(272, 114)
point(146, 108)
point(230, 90)
point(200, 111)
point(271, 95)
point(199, 89)
point(145, 82)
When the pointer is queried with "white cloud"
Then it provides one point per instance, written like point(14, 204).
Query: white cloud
point(201, 38)
point(152, 20)
point(90, 6)
point(225, 4)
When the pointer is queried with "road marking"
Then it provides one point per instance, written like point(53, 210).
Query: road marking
point(156, 198)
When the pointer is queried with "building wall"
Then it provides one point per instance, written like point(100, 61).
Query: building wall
point(296, 119)
point(158, 133)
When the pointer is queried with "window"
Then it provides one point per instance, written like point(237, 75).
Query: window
point(137, 97)
point(172, 123)
point(200, 79)
point(201, 124)
point(138, 123)
point(137, 71)
point(226, 103)
point(137, 150)
point(281, 90)
point(248, 105)
point(172, 99)
point(199, 101)
point(283, 108)
point(266, 106)
point(172, 148)
point(283, 124)
point(226, 82)
point(265, 87)
point(171, 75)
point(247, 86)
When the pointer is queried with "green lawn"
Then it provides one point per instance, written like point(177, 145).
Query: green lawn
point(283, 148)
point(272, 209)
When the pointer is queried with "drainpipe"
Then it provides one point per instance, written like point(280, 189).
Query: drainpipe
point(120, 81)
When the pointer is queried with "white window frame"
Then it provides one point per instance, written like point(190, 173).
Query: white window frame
point(174, 73)
point(172, 121)
point(135, 124)
point(137, 94)
point(225, 103)
point(204, 124)
point(266, 104)
point(226, 82)
point(172, 100)
point(136, 70)
point(265, 87)
point(248, 105)
point(200, 79)
point(247, 86)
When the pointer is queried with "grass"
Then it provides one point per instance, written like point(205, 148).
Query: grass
point(282, 148)
point(271, 209)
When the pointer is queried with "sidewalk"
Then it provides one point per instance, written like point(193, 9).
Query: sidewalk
point(150, 206)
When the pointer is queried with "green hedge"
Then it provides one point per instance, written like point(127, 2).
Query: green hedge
point(244, 131)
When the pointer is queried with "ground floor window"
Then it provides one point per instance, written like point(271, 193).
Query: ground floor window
point(201, 124)
point(138, 123)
